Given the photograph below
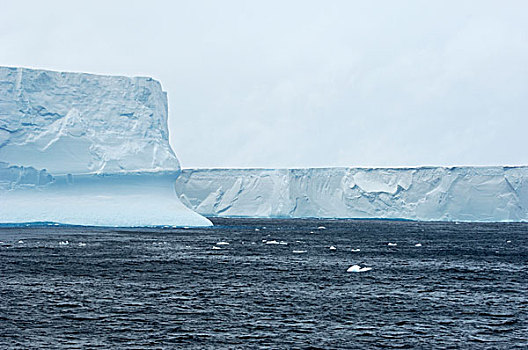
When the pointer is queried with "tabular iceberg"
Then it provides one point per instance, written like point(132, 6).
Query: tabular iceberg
point(86, 149)
point(427, 193)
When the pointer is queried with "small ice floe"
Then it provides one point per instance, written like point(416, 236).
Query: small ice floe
point(257, 230)
point(418, 245)
point(82, 244)
point(272, 242)
point(299, 242)
point(356, 250)
point(264, 241)
point(55, 224)
point(216, 248)
point(332, 247)
point(64, 243)
point(20, 242)
point(186, 227)
point(311, 232)
point(222, 243)
point(357, 268)
point(392, 244)
point(508, 241)
point(263, 227)
point(299, 251)
point(321, 228)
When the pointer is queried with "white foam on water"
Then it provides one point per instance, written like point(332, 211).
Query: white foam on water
point(356, 250)
point(82, 244)
point(216, 248)
point(299, 251)
point(64, 243)
point(222, 243)
point(392, 244)
point(321, 228)
point(272, 242)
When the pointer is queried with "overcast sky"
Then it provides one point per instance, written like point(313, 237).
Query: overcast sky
point(304, 83)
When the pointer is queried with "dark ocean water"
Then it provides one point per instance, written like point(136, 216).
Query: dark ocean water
point(465, 287)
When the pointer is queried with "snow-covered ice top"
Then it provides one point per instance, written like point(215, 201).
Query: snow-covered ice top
point(82, 123)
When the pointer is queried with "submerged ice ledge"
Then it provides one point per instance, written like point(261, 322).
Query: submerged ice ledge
point(86, 149)
point(424, 193)
point(118, 200)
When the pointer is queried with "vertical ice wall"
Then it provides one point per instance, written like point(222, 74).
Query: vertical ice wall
point(429, 193)
point(86, 149)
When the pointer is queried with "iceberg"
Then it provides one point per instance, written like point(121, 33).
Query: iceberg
point(86, 149)
point(486, 194)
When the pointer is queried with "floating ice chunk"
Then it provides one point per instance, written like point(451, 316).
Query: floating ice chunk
point(222, 243)
point(392, 244)
point(216, 248)
point(356, 250)
point(257, 230)
point(311, 232)
point(418, 245)
point(20, 242)
point(357, 268)
point(64, 243)
point(508, 241)
point(82, 244)
point(272, 242)
point(321, 228)
point(299, 251)
point(332, 247)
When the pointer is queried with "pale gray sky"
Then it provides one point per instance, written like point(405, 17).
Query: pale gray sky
point(304, 83)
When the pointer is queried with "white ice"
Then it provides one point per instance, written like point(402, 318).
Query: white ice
point(424, 193)
point(86, 149)
point(357, 268)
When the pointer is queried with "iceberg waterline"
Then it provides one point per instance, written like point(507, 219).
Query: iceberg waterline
point(87, 149)
point(424, 193)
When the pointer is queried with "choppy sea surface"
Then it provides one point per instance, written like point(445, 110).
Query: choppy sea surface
point(258, 283)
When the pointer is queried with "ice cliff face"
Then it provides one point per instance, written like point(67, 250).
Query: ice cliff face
point(86, 149)
point(83, 123)
point(432, 193)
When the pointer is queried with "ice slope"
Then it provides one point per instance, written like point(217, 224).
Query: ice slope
point(428, 193)
point(86, 149)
